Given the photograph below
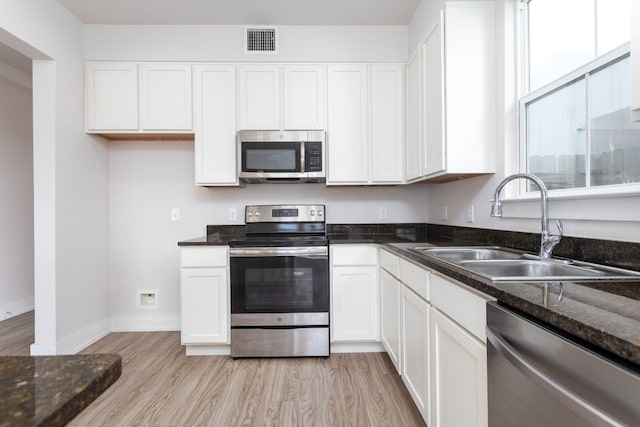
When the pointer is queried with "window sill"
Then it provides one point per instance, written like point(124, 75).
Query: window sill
point(614, 203)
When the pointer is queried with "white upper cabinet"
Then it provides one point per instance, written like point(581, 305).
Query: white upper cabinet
point(414, 147)
point(387, 123)
point(165, 95)
point(287, 97)
point(348, 130)
point(125, 97)
point(635, 61)
point(451, 120)
point(432, 49)
point(305, 97)
point(259, 97)
point(111, 96)
point(215, 125)
point(365, 134)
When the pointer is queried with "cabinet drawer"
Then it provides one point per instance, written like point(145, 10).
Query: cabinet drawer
point(461, 304)
point(354, 255)
point(415, 277)
point(389, 262)
point(204, 256)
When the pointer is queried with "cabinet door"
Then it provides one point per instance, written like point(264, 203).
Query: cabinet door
point(415, 349)
point(348, 125)
point(305, 96)
point(215, 125)
point(413, 156)
point(112, 96)
point(204, 305)
point(458, 375)
point(354, 307)
point(259, 97)
point(432, 47)
point(165, 97)
point(387, 123)
point(390, 317)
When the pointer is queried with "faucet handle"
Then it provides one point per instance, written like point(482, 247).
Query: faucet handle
point(560, 228)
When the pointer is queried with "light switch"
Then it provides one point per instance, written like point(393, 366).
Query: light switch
point(175, 214)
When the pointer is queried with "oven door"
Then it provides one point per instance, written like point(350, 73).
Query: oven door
point(292, 282)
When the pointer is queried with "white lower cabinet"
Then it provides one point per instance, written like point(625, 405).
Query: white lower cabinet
point(390, 316)
point(204, 295)
point(354, 293)
point(458, 375)
point(415, 349)
point(442, 341)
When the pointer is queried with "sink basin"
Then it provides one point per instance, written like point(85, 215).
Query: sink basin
point(528, 269)
point(468, 253)
point(501, 264)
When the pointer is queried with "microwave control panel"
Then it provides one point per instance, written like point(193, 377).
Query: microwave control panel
point(313, 156)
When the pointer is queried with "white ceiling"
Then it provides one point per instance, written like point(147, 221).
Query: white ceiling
point(243, 12)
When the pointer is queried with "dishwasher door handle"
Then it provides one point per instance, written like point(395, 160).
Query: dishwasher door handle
point(569, 398)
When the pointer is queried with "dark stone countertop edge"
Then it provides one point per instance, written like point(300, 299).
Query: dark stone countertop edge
point(58, 389)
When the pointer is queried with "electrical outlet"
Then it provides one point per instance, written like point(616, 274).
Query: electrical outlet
point(470, 214)
point(445, 213)
point(232, 214)
point(382, 213)
point(175, 214)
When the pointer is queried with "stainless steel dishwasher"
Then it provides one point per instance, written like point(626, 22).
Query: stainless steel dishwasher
point(540, 378)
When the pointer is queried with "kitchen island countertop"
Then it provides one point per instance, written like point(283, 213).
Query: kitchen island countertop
point(52, 390)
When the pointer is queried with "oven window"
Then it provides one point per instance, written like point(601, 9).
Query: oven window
point(287, 289)
point(279, 285)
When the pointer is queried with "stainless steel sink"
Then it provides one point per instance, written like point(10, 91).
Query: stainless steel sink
point(501, 264)
point(529, 269)
point(469, 253)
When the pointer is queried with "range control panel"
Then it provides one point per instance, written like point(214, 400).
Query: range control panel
point(284, 213)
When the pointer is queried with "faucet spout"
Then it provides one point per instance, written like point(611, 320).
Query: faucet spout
point(547, 241)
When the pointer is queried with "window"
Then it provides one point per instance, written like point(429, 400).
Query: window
point(576, 127)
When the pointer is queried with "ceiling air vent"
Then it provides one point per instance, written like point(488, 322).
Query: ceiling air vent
point(261, 40)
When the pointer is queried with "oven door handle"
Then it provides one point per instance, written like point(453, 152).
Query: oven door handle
point(317, 252)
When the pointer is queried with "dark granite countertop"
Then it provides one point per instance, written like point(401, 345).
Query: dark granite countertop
point(52, 390)
point(603, 315)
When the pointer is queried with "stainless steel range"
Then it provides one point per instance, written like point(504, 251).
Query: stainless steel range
point(280, 283)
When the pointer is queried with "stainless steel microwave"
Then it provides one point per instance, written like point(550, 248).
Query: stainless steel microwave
point(281, 156)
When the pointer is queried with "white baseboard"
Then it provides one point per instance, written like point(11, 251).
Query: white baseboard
point(208, 350)
point(16, 307)
point(84, 337)
point(146, 322)
point(356, 347)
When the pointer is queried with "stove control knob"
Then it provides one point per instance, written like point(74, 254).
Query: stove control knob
point(319, 213)
point(257, 213)
point(312, 212)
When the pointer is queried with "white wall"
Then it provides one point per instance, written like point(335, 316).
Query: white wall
point(70, 180)
point(149, 178)
point(16, 199)
point(225, 43)
point(614, 218)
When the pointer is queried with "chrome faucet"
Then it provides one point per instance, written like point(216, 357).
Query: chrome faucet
point(547, 241)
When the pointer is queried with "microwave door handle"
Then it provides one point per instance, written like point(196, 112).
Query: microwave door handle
point(568, 397)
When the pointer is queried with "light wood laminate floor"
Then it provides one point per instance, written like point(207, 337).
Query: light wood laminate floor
point(16, 335)
point(160, 386)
